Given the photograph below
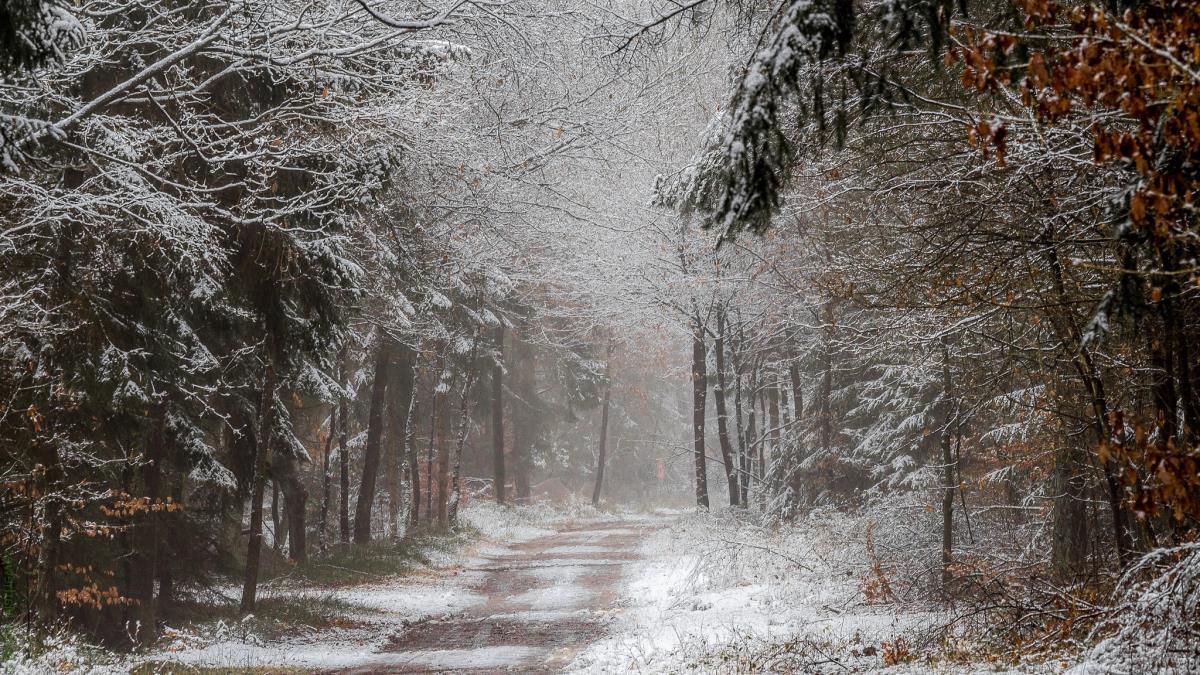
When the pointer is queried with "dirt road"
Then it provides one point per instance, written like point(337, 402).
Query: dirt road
point(544, 601)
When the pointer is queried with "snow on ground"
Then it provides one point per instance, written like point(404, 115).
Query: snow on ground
point(556, 596)
point(376, 610)
point(713, 594)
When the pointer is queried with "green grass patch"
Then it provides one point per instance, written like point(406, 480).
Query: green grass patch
point(347, 564)
point(277, 615)
point(301, 598)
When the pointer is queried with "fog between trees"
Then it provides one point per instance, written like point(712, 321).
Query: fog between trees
point(278, 279)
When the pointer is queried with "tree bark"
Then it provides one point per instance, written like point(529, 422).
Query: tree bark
point(825, 414)
point(443, 459)
point(435, 405)
point(1069, 529)
point(278, 534)
point(741, 449)
point(327, 481)
point(262, 462)
point(797, 391)
point(295, 498)
point(727, 454)
point(146, 536)
point(400, 407)
point(344, 452)
point(772, 459)
point(414, 460)
point(1072, 342)
point(948, 476)
point(166, 563)
point(523, 379)
point(464, 426)
point(699, 395)
point(371, 452)
point(498, 476)
point(600, 459)
point(751, 441)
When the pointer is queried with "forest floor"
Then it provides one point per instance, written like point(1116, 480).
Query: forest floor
point(532, 590)
point(539, 590)
point(717, 593)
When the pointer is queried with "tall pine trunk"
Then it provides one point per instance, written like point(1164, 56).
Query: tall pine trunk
point(435, 409)
point(344, 451)
point(262, 461)
point(295, 499)
point(146, 536)
point(464, 426)
point(795, 479)
point(949, 482)
point(399, 407)
point(727, 455)
point(603, 450)
point(410, 445)
point(327, 481)
point(750, 443)
point(498, 476)
point(371, 452)
point(276, 518)
point(825, 398)
point(772, 460)
point(523, 380)
point(741, 458)
point(443, 458)
point(699, 395)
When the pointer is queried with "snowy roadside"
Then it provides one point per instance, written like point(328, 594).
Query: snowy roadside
point(367, 614)
point(315, 626)
point(715, 595)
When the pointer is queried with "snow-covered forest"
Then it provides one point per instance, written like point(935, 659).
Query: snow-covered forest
point(631, 335)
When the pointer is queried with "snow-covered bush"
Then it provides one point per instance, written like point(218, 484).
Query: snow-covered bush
point(1157, 627)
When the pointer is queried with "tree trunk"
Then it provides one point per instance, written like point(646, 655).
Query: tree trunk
point(741, 449)
point(1072, 342)
point(523, 379)
point(795, 478)
point(344, 452)
point(727, 456)
point(435, 409)
point(295, 498)
point(825, 415)
point(699, 394)
point(761, 442)
point(414, 460)
point(49, 540)
point(443, 460)
point(399, 408)
point(464, 426)
point(751, 440)
point(371, 452)
point(949, 481)
point(277, 527)
point(600, 459)
point(1069, 531)
point(146, 536)
point(769, 470)
point(262, 462)
point(498, 476)
point(327, 481)
point(166, 563)
point(797, 391)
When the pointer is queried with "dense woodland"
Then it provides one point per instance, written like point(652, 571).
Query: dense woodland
point(282, 278)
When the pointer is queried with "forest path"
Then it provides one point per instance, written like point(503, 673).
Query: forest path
point(545, 600)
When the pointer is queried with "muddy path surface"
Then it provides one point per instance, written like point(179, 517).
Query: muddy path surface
point(544, 601)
